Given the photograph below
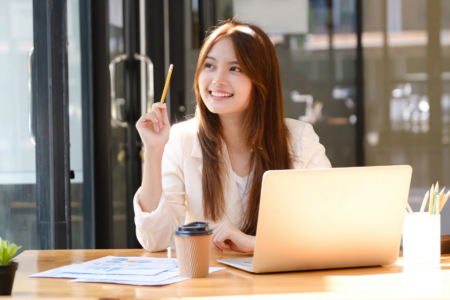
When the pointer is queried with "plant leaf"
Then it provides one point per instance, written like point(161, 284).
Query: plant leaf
point(11, 251)
point(5, 256)
point(7, 251)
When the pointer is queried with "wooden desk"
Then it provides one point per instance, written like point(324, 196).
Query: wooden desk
point(392, 282)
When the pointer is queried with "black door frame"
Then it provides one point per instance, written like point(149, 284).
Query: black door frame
point(50, 97)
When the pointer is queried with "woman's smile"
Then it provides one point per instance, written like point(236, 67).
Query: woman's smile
point(220, 95)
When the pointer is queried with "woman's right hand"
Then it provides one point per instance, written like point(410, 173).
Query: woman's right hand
point(154, 127)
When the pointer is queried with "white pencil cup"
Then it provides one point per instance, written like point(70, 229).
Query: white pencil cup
point(422, 238)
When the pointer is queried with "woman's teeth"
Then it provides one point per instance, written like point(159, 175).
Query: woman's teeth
point(221, 94)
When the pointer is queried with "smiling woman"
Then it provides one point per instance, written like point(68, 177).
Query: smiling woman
point(222, 79)
point(211, 167)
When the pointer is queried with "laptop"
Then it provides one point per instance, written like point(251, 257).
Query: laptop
point(328, 219)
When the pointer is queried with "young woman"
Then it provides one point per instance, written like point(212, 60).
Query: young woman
point(211, 167)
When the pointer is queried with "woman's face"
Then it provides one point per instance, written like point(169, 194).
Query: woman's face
point(225, 90)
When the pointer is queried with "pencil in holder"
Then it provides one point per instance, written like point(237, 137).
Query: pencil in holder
point(422, 238)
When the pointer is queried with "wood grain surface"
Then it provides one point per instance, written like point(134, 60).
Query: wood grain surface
point(389, 282)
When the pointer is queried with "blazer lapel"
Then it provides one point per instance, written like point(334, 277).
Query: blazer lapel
point(197, 153)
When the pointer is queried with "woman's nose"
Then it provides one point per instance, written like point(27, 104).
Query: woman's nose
point(220, 78)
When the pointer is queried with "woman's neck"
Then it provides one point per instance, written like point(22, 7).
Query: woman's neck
point(234, 138)
point(232, 132)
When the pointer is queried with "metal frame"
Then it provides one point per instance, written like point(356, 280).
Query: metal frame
point(101, 124)
point(133, 109)
point(50, 98)
point(88, 207)
point(177, 58)
point(359, 99)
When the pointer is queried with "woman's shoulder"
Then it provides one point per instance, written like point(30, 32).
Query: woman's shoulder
point(188, 128)
point(298, 128)
point(183, 134)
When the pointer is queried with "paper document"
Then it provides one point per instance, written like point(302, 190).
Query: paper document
point(122, 270)
point(166, 281)
point(61, 273)
point(124, 266)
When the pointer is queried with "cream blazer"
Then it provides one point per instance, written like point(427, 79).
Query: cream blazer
point(182, 182)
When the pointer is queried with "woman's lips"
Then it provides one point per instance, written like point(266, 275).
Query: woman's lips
point(220, 95)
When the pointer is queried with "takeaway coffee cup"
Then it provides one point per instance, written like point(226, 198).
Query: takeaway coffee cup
point(193, 244)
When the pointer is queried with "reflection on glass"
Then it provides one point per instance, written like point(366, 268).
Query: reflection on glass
point(75, 123)
point(118, 134)
point(407, 90)
point(316, 51)
point(17, 153)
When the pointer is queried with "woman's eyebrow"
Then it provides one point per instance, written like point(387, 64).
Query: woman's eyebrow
point(230, 63)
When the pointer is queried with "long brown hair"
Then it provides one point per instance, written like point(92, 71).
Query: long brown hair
point(264, 126)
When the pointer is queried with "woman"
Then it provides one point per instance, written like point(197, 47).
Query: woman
point(211, 167)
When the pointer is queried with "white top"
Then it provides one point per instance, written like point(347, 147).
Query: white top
point(182, 194)
point(243, 190)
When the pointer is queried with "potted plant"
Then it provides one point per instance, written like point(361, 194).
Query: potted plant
point(7, 266)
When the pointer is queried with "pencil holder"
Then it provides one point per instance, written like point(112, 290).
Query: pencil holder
point(422, 238)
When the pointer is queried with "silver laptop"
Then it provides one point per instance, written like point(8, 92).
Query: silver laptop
point(328, 219)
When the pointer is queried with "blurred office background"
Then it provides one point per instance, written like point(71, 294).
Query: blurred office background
point(371, 76)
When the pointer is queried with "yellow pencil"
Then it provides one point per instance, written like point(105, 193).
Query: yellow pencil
point(424, 202)
point(430, 204)
point(167, 83)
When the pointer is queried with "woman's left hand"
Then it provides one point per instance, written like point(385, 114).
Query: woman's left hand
point(227, 237)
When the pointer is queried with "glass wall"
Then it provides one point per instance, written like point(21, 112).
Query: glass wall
point(407, 90)
point(118, 132)
point(75, 123)
point(17, 151)
point(316, 46)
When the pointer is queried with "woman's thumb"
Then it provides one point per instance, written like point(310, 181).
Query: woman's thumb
point(164, 115)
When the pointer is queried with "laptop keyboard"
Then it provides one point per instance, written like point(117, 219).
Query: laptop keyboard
point(248, 263)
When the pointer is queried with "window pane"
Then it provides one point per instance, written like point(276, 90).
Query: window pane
point(407, 90)
point(17, 152)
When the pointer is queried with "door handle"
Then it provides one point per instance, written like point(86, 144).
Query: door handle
point(150, 90)
point(116, 112)
point(30, 96)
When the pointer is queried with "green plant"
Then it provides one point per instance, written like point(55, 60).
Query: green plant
point(7, 251)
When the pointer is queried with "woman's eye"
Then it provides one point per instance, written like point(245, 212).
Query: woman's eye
point(207, 65)
point(235, 69)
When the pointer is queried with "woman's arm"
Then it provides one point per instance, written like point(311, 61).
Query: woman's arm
point(154, 129)
point(159, 203)
point(308, 152)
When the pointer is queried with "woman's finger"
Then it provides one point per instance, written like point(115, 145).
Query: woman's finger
point(159, 116)
point(216, 248)
point(214, 226)
point(165, 117)
point(148, 120)
point(152, 117)
point(221, 236)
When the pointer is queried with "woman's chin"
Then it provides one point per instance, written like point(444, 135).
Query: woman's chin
point(220, 110)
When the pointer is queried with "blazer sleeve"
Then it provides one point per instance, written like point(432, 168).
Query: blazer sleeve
point(155, 230)
point(312, 152)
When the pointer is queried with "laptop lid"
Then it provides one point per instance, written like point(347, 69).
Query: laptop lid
point(330, 218)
